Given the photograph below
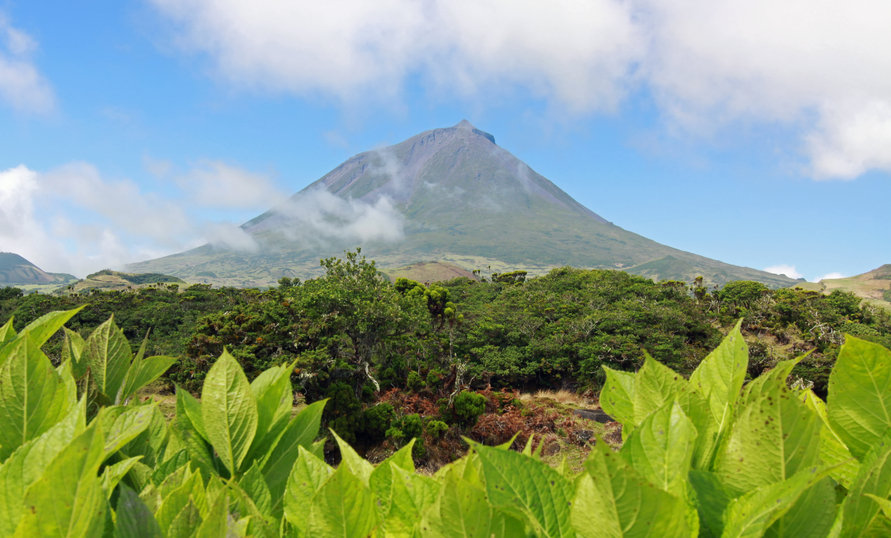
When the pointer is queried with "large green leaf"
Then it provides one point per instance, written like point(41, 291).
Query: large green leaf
point(711, 502)
point(811, 516)
point(661, 447)
point(874, 478)
point(410, 496)
point(617, 398)
point(274, 395)
point(528, 489)
point(358, 466)
point(150, 442)
point(774, 437)
point(720, 376)
point(174, 502)
point(134, 519)
point(108, 355)
point(28, 463)
point(183, 437)
point(68, 501)
point(255, 486)
point(229, 411)
point(123, 424)
point(833, 451)
point(343, 508)
point(750, 516)
point(381, 479)
point(776, 376)
point(188, 405)
point(307, 477)
point(613, 501)
point(301, 432)
point(142, 372)
point(72, 351)
point(113, 474)
point(33, 396)
point(7, 333)
point(461, 511)
point(859, 404)
point(216, 524)
point(186, 522)
point(43, 328)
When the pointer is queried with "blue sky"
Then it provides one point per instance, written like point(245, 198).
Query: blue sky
point(755, 133)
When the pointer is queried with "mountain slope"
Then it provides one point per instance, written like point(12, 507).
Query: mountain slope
point(17, 271)
point(449, 195)
point(873, 286)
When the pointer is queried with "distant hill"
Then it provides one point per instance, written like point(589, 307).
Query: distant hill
point(450, 195)
point(17, 271)
point(873, 286)
point(108, 280)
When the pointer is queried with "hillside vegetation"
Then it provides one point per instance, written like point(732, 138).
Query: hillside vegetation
point(353, 325)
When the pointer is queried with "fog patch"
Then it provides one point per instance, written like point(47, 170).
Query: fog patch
point(317, 217)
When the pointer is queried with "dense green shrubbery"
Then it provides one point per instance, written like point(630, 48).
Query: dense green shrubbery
point(709, 456)
point(345, 414)
point(558, 330)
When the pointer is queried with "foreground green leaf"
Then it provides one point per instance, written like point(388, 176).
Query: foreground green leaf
point(33, 397)
point(528, 489)
point(229, 411)
point(613, 501)
point(859, 403)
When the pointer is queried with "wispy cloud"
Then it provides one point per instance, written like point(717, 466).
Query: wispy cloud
point(784, 269)
point(829, 276)
point(819, 67)
point(74, 219)
point(316, 217)
point(22, 87)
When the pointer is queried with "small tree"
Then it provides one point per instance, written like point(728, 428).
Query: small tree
point(361, 303)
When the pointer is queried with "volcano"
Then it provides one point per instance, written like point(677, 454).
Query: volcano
point(451, 195)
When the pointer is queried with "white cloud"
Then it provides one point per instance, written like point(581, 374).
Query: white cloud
point(829, 276)
point(784, 269)
point(819, 66)
point(576, 52)
point(317, 216)
point(218, 184)
point(21, 85)
point(72, 219)
point(851, 140)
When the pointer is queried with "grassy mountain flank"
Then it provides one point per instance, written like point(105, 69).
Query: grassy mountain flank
point(449, 195)
point(17, 271)
point(108, 280)
point(874, 287)
point(429, 272)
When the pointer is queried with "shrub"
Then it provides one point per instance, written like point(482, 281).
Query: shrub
point(414, 382)
point(434, 379)
point(466, 409)
point(437, 428)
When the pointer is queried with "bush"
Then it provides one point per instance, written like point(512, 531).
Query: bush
point(437, 428)
point(376, 421)
point(434, 379)
point(344, 415)
point(466, 409)
point(414, 382)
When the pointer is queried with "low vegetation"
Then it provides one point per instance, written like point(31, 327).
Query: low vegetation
point(712, 455)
